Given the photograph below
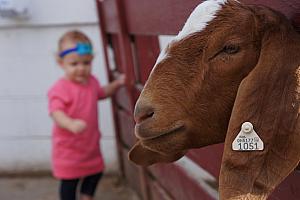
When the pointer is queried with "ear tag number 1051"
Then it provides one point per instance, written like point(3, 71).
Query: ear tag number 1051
point(247, 139)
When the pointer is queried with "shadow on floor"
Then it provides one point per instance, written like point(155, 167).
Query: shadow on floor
point(111, 187)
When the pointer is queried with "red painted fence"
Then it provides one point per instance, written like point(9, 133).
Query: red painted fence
point(130, 30)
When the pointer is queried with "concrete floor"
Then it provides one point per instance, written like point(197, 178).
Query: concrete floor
point(111, 187)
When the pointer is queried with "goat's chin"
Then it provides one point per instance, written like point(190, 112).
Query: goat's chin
point(144, 156)
point(159, 145)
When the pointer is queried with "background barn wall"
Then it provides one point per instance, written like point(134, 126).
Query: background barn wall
point(28, 68)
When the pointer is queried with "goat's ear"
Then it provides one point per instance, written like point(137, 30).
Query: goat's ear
point(268, 98)
point(145, 157)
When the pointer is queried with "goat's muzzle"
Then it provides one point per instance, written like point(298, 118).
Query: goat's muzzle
point(147, 121)
point(142, 112)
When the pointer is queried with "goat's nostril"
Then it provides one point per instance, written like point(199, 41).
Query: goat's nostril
point(141, 113)
point(144, 117)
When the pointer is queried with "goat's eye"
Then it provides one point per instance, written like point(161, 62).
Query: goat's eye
point(231, 49)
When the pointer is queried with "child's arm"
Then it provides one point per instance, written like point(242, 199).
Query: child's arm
point(112, 87)
point(63, 121)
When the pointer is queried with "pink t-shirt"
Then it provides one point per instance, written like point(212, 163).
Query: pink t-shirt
point(76, 155)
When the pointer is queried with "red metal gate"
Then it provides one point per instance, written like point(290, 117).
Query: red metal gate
point(130, 30)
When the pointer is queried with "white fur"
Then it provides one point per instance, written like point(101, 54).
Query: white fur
point(196, 22)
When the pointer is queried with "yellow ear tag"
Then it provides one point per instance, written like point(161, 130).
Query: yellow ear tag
point(247, 139)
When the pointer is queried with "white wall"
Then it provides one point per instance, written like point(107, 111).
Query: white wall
point(28, 68)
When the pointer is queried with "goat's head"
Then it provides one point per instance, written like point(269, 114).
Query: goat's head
point(231, 63)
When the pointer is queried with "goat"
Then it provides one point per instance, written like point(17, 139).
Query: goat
point(231, 63)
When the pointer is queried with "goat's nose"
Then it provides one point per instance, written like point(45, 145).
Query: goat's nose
point(142, 112)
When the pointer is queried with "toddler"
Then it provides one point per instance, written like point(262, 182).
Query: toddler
point(76, 155)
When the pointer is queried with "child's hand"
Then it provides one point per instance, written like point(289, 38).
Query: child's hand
point(112, 87)
point(77, 126)
point(122, 79)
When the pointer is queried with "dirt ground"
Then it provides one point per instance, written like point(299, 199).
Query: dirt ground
point(111, 187)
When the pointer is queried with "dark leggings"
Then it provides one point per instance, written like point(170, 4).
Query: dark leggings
point(88, 186)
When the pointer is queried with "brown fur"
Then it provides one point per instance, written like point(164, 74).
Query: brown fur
point(201, 94)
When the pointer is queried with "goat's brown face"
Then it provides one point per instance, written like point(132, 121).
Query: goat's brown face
point(243, 66)
point(188, 98)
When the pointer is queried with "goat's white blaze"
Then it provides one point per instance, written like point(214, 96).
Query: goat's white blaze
point(196, 22)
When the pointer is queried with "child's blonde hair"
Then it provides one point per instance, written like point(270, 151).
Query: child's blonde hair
point(73, 36)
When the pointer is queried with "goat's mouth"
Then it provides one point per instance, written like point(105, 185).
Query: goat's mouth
point(167, 142)
point(144, 134)
point(164, 145)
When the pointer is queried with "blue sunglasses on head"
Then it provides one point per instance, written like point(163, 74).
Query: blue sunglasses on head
point(80, 49)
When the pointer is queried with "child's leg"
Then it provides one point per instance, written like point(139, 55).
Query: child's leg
point(89, 185)
point(68, 189)
point(85, 197)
